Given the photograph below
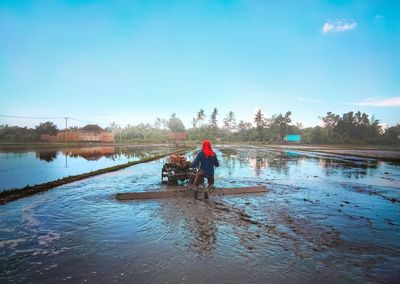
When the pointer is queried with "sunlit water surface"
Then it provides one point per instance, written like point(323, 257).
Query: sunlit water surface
point(325, 219)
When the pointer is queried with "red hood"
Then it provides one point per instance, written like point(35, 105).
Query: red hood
point(207, 149)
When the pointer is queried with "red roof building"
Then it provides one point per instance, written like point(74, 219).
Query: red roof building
point(88, 133)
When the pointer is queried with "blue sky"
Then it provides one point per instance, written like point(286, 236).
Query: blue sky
point(134, 61)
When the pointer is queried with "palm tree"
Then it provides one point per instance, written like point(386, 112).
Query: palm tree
point(230, 120)
point(158, 123)
point(259, 119)
point(200, 117)
point(213, 118)
point(194, 122)
point(244, 125)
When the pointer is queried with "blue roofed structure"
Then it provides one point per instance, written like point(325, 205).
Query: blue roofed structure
point(292, 138)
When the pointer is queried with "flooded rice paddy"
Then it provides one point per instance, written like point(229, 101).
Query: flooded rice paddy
point(21, 168)
point(326, 218)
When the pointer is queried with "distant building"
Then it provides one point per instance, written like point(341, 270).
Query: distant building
point(292, 138)
point(178, 137)
point(48, 138)
point(89, 133)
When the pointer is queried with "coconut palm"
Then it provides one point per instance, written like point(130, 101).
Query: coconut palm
point(230, 120)
point(259, 119)
point(194, 122)
point(213, 118)
point(201, 116)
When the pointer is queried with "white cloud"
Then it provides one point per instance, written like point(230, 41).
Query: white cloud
point(338, 25)
point(308, 100)
point(389, 102)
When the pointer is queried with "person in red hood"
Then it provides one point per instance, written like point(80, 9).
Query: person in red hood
point(207, 159)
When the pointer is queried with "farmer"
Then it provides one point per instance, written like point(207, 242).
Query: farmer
point(207, 160)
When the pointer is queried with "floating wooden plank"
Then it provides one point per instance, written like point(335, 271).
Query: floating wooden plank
point(239, 190)
point(176, 191)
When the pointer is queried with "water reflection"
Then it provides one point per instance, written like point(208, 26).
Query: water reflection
point(229, 158)
point(259, 160)
point(19, 169)
point(47, 156)
point(94, 153)
point(90, 154)
point(280, 162)
point(347, 168)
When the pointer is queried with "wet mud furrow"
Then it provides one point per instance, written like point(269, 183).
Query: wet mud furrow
point(325, 242)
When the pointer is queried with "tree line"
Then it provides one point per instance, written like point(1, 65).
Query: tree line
point(348, 128)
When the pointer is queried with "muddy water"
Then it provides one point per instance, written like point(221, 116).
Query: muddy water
point(326, 219)
point(21, 168)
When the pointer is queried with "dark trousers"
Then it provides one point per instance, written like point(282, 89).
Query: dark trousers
point(199, 179)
